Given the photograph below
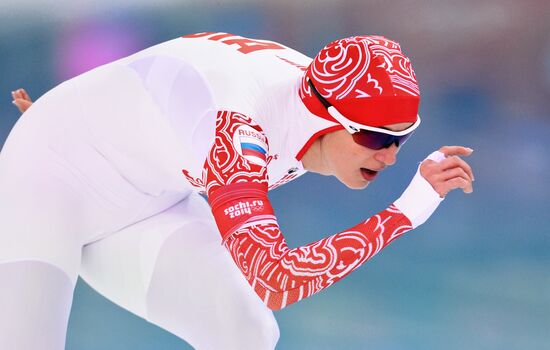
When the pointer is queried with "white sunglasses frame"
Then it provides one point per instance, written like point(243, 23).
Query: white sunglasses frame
point(353, 127)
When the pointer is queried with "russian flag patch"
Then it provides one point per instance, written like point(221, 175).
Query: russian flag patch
point(251, 144)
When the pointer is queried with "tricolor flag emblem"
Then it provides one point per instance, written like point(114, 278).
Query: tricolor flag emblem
point(251, 144)
point(253, 149)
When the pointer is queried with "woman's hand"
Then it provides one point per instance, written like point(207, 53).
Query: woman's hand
point(21, 100)
point(451, 172)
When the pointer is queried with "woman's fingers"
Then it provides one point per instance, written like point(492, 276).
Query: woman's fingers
point(21, 94)
point(22, 104)
point(456, 151)
point(450, 173)
point(454, 183)
point(455, 161)
point(25, 95)
point(21, 99)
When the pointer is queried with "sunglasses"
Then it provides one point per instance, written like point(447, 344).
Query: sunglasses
point(364, 135)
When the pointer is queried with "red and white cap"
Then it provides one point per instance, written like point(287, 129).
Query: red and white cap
point(367, 79)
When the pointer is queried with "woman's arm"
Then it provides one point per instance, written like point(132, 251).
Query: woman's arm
point(237, 191)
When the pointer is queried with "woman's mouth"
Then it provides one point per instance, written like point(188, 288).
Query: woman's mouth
point(368, 174)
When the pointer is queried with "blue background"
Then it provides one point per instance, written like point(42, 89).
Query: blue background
point(475, 276)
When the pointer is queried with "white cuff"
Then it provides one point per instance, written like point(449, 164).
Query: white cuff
point(420, 200)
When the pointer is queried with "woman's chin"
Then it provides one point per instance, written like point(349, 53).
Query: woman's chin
point(356, 185)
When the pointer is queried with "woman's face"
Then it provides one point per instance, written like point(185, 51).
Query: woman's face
point(355, 165)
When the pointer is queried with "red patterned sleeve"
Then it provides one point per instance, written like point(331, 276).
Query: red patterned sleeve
point(236, 183)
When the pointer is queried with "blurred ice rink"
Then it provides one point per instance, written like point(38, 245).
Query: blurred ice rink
point(475, 276)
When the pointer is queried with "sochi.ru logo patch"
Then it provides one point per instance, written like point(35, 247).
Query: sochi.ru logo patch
point(251, 144)
point(243, 208)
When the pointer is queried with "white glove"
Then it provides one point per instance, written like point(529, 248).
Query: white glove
point(420, 200)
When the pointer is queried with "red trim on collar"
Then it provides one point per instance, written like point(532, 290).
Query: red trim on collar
point(314, 137)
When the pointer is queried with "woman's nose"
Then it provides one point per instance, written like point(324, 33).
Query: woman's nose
point(388, 156)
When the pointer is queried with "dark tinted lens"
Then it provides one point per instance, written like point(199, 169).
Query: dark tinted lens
point(404, 138)
point(372, 139)
point(377, 140)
